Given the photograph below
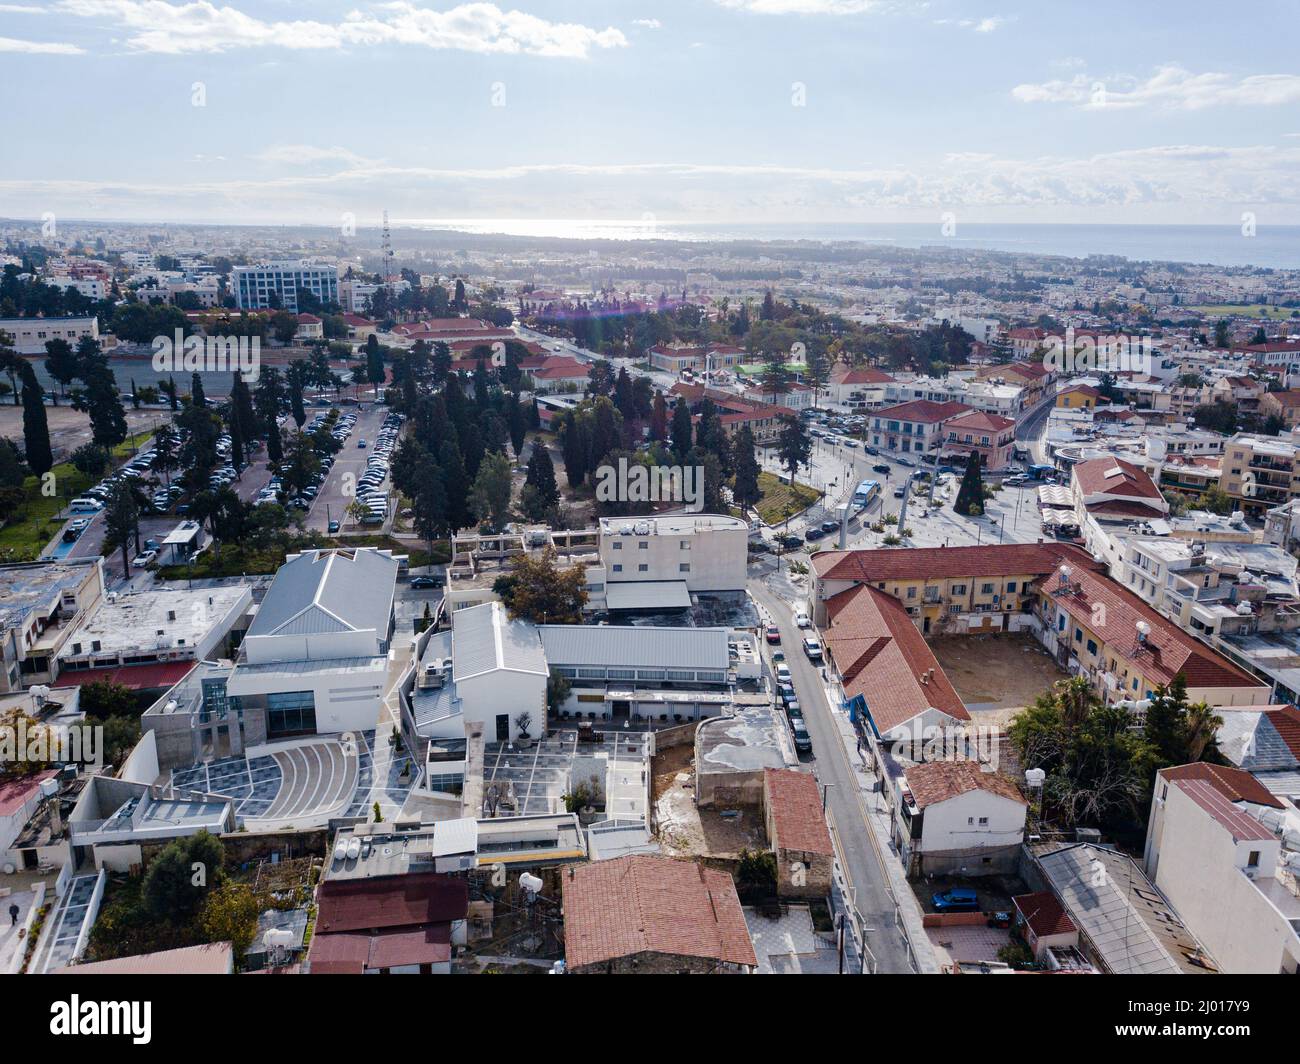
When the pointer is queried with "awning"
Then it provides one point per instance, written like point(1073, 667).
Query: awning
point(648, 595)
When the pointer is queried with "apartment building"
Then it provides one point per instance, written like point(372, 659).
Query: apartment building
point(1224, 851)
point(653, 562)
point(41, 605)
point(258, 287)
point(1260, 472)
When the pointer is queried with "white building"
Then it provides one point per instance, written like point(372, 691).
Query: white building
point(1225, 852)
point(954, 817)
point(31, 334)
point(315, 659)
point(254, 286)
point(657, 562)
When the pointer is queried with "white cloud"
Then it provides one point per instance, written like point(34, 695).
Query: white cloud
point(1167, 182)
point(647, 23)
point(307, 154)
point(1170, 86)
point(9, 44)
point(805, 7)
point(979, 25)
point(200, 26)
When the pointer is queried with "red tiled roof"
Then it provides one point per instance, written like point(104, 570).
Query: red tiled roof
point(932, 782)
point(1286, 721)
point(1242, 826)
point(866, 375)
point(1116, 508)
point(938, 563)
point(1044, 914)
point(400, 901)
point(1166, 651)
point(15, 792)
point(136, 677)
point(1083, 389)
point(643, 903)
point(1093, 479)
point(882, 656)
point(1235, 784)
point(980, 421)
point(796, 808)
point(924, 411)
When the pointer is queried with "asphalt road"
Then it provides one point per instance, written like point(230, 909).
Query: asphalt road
point(859, 858)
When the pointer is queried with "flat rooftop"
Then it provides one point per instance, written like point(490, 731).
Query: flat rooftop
point(671, 525)
point(26, 586)
point(154, 620)
point(750, 740)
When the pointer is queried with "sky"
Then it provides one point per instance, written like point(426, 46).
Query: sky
point(799, 111)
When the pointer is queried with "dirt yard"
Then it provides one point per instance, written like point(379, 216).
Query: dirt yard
point(70, 429)
point(683, 829)
point(996, 675)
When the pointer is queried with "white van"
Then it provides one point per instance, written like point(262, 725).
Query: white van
point(85, 504)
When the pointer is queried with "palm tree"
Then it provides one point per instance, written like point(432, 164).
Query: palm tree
point(1202, 726)
point(1076, 701)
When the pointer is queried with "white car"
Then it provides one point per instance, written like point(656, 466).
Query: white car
point(144, 558)
point(802, 620)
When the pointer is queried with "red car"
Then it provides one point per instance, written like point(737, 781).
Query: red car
point(773, 635)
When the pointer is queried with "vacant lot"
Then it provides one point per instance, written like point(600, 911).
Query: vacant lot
point(997, 672)
point(1245, 310)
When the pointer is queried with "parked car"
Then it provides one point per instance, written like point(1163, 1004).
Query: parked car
point(802, 740)
point(361, 443)
point(793, 711)
point(426, 581)
point(829, 526)
point(783, 674)
point(813, 649)
point(144, 558)
point(790, 542)
point(332, 527)
point(773, 635)
point(899, 492)
point(813, 534)
point(802, 620)
point(956, 900)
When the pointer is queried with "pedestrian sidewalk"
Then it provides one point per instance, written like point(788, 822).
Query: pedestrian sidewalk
point(877, 815)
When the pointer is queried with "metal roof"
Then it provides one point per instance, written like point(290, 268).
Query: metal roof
point(485, 639)
point(648, 595)
point(329, 591)
point(1118, 909)
point(635, 646)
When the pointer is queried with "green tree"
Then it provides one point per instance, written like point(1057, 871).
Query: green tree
point(36, 429)
point(537, 589)
point(544, 493)
point(121, 522)
point(681, 429)
point(970, 495)
point(793, 444)
point(229, 914)
point(745, 489)
point(179, 878)
point(489, 498)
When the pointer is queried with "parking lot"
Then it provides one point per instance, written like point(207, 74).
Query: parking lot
point(345, 481)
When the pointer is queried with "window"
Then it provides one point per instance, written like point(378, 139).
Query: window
point(1253, 860)
point(618, 545)
point(290, 713)
point(911, 592)
point(684, 567)
point(618, 568)
point(1092, 647)
point(986, 589)
point(984, 821)
point(1011, 587)
point(685, 544)
point(643, 568)
point(643, 545)
point(959, 589)
point(1078, 635)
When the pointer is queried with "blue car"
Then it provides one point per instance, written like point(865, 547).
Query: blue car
point(957, 900)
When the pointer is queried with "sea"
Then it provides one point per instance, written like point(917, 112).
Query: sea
point(1267, 246)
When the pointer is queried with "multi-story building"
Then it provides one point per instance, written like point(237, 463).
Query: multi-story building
point(651, 562)
point(1260, 472)
point(41, 605)
point(257, 287)
point(916, 427)
point(1223, 849)
point(992, 437)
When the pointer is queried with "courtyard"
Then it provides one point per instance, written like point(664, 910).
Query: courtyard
point(997, 675)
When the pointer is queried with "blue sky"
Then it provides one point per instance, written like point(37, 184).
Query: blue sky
point(702, 110)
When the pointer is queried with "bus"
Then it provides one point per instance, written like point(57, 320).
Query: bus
point(865, 493)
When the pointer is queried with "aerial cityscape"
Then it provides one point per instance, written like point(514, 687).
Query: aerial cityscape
point(556, 510)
